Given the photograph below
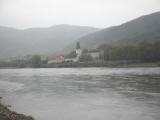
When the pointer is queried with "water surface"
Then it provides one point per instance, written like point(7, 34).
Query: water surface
point(83, 93)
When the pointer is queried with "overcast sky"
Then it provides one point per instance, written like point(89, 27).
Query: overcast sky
point(96, 13)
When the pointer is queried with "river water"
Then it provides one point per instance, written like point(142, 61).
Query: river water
point(83, 93)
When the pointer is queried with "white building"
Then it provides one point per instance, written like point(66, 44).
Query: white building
point(78, 52)
point(96, 54)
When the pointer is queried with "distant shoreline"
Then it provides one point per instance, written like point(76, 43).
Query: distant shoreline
point(118, 64)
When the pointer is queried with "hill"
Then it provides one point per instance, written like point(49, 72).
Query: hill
point(15, 42)
point(145, 28)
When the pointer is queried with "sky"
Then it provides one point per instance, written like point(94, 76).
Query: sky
point(24, 14)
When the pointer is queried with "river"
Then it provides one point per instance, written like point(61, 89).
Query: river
point(83, 93)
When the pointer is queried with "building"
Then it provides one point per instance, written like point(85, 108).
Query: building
point(96, 54)
point(76, 54)
point(56, 59)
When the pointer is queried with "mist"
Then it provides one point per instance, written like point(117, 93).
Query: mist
point(96, 13)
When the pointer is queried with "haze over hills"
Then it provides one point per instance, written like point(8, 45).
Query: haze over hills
point(15, 42)
point(143, 28)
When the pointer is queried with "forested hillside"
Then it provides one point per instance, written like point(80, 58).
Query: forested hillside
point(145, 28)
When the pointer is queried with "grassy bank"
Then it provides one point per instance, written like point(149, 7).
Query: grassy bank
point(103, 64)
point(112, 64)
point(150, 64)
point(7, 114)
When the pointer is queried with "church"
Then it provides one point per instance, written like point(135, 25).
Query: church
point(78, 53)
point(75, 55)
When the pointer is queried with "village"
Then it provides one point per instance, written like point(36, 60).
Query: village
point(78, 55)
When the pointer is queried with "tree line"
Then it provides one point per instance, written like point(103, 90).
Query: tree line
point(132, 52)
point(34, 61)
point(142, 51)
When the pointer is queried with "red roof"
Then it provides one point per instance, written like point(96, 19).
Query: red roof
point(60, 57)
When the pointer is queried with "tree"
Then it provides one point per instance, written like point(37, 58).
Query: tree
point(36, 61)
point(78, 46)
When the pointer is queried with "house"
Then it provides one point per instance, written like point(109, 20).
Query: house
point(56, 59)
point(96, 54)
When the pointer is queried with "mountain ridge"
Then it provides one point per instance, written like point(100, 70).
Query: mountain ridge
point(62, 38)
point(17, 42)
point(142, 28)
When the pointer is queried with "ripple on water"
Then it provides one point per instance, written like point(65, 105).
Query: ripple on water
point(10, 86)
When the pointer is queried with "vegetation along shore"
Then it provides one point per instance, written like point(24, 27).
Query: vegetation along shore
point(7, 114)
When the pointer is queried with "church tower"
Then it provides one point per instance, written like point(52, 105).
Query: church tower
point(78, 51)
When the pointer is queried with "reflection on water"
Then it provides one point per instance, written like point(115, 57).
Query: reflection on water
point(83, 93)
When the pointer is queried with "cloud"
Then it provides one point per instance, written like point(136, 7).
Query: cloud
point(99, 13)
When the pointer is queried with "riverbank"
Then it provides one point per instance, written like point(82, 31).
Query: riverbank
point(110, 64)
point(152, 64)
point(7, 114)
